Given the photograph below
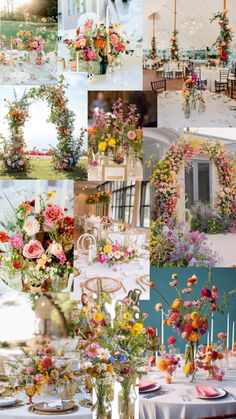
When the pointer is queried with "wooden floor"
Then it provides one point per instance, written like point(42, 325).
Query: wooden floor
point(150, 75)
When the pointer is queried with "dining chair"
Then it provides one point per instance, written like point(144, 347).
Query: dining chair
point(222, 83)
point(160, 73)
point(169, 74)
point(233, 89)
point(158, 86)
point(179, 74)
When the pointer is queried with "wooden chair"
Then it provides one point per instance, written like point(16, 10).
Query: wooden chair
point(233, 89)
point(222, 84)
point(158, 86)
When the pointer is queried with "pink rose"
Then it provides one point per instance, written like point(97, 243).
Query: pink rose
point(52, 214)
point(33, 250)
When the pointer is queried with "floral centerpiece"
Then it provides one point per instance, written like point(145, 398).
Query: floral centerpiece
point(189, 316)
point(225, 37)
point(168, 364)
point(113, 253)
point(208, 358)
point(193, 96)
point(116, 135)
point(95, 44)
point(103, 197)
point(38, 370)
point(26, 41)
point(39, 246)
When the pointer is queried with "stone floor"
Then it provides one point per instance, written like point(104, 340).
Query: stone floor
point(225, 245)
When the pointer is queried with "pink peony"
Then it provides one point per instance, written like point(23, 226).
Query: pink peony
point(92, 350)
point(131, 135)
point(15, 242)
point(171, 340)
point(33, 250)
point(52, 214)
point(188, 304)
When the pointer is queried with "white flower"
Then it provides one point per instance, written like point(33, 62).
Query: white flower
point(31, 226)
point(117, 254)
point(55, 249)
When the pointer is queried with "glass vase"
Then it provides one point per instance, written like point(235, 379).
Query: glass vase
point(126, 402)
point(190, 365)
point(102, 407)
point(186, 109)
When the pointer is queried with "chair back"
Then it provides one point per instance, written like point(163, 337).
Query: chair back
point(224, 74)
point(158, 86)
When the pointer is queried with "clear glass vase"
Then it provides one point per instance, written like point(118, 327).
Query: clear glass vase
point(126, 402)
point(102, 406)
point(186, 109)
point(190, 365)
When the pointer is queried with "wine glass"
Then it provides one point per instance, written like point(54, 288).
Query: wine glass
point(30, 391)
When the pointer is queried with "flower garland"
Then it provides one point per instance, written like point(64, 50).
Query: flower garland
point(174, 48)
point(225, 38)
point(67, 152)
point(40, 246)
point(116, 134)
point(164, 177)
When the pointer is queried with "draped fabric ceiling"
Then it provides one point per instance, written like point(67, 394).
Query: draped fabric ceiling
point(193, 22)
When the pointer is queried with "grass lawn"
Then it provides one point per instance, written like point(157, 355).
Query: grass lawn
point(10, 28)
point(43, 169)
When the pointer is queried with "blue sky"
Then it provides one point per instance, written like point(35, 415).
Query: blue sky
point(38, 132)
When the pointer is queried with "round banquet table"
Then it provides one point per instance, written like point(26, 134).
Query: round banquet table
point(23, 413)
point(218, 111)
point(126, 273)
point(172, 406)
point(211, 75)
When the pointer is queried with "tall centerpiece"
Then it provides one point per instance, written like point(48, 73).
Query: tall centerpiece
point(193, 96)
point(174, 47)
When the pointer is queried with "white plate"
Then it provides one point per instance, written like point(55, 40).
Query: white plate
point(7, 401)
point(221, 393)
point(149, 390)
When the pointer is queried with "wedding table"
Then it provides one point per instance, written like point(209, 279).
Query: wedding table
point(126, 273)
point(22, 411)
point(175, 404)
point(24, 72)
point(217, 113)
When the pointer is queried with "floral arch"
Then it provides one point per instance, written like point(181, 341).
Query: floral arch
point(67, 152)
point(164, 177)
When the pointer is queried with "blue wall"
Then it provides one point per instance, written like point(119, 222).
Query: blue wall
point(224, 278)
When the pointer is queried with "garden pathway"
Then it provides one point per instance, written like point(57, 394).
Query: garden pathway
point(225, 245)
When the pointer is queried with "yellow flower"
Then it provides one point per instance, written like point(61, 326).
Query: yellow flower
point(137, 329)
point(52, 194)
point(176, 303)
point(102, 146)
point(111, 142)
point(187, 368)
point(107, 248)
point(194, 315)
point(43, 19)
point(126, 326)
point(84, 310)
point(98, 317)
point(127, 316)
point(42, 261)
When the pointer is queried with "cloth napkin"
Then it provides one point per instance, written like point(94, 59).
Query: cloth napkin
point(57, 404)
point(145, 385)
point(206, 391)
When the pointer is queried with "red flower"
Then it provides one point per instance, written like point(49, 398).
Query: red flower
point(151, 331)
point(3, 237)
point(188, 328)
point(171, 340)
point(16, 265)
point(206, 293)
point(46, 362)
point(48, 351)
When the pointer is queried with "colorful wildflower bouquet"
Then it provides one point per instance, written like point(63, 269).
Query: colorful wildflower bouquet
point(193, 96)
point(113, 253)
point(39, 247)
point(189, 315)
point(116, 134)
point(42, 369)
point(209, 358)
point(93, 42)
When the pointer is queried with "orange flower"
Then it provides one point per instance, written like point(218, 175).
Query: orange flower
point(176, 303)
point(162, 365)
point(110, 368)
point(220, 355)
point(100, 42)
point(91, 131)
point(151, 284)
point(3, 237)
point(193, 337)
point(196, 323)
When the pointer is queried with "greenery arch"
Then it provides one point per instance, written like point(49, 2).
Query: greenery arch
point(164, 177)
point(67, 152)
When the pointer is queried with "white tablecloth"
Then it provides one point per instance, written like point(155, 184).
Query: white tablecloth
point(171, 405)
point(211, 75)
point(217, 114)
point(28, 73)
point(127, 273)
point(22, 412)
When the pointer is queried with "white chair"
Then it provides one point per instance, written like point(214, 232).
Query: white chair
point(116, 238)
point(87, 244)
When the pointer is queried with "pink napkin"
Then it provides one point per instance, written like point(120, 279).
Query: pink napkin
point(145, 385)
point(206, 391)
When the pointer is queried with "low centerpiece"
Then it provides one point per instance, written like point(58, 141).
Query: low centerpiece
point(38, 247)
point(192, 92)
point(111, 253)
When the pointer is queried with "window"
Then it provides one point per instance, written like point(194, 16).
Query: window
point(198, 182)
point(123, 200)
point(145, 205)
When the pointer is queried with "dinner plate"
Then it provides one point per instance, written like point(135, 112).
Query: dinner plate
point(43, 407)
point(221, 393)
point(7, 401)
point(151, 389)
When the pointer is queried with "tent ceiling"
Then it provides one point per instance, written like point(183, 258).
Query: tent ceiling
point(193, 22)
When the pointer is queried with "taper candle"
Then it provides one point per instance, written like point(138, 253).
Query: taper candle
point(227, 344)
point(233, 330)
point(212, 328)
point(162, 327)
point(37, 196)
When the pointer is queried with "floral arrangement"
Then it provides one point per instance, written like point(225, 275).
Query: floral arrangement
point(41, 246)
point(168, 364)
point(209, 359)
point(67, 152)
point(207, 220)
point(193, 96)
point(189, 315)
point(106, 221)
point(176, 246)
point(116, 134)
point(174, 48)
point(225, 37)
point(164, 176)
point(102, 197)
point(112, 253)
point(93, 41)
point(42, 369)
